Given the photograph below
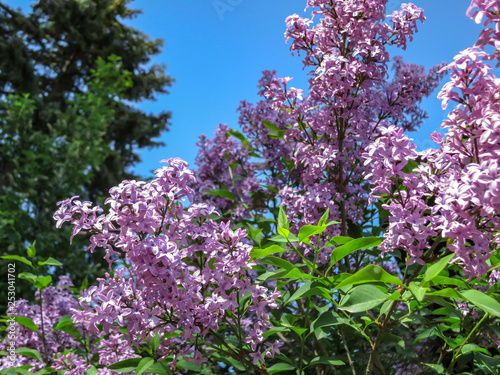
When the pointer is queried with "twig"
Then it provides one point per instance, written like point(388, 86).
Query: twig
point(459, 350)
point(341, 333)
point(378, 340)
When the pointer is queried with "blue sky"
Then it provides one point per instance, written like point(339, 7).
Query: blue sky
point(216, 51)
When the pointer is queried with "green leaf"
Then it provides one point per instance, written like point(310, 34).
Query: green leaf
point(221, 193)
point(370, 274)
point(270, 126)
point(288, 320)
point(49, 370)
point(50, 262)
point(31, 250)
point(491, 364)
point(298, 330)
point(284, 232)
point(327, 319)
point(182, 364)
point(279, 367)
point(274, 330)
point(257, 253)
point(18, 258)
point(158, 368)
point(483, 301)
point(452, 342)
point(155, 342)
point(237, 134)
point(255, 233)
point(443, 280)
point(438, 368)
point(324, 218)
point(271, 275)
point(28, 276)
point(271, 188)
point(85, 283)
point(417, 291)
point(27, 322)
point(126, 365)
point(473, 348)
point(277, 134)
point(278, 262)
point(227, 360)
point(339, 240)
point(91, 371)
point(65, 324)
point(410, 166)
point(309, 289)
point(426, 333)
point(297, 274)
point(436, 268)
point(290, 165)
point(326, 361)
point(43, 282)
point(310, 230)
point(32, 353)
point(447, 292)
point(352, 246)
point(279, 238)
point(362, 298)
point(283, 219)
point(143, 365)
point(24, 370)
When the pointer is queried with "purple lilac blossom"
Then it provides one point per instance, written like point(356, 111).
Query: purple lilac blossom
point(454, 192)
point(57, 301)
point(317, 164)
point(184, 271)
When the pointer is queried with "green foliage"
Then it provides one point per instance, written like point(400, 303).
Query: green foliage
point(325, 309)
point(42, 168)
point(66, 125)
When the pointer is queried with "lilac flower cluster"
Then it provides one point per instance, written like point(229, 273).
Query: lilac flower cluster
point(57, 301)
point(108, 349)
point(489, 9)
point(222, 159)
point(408, 223)
point(182, 274)
point(71, 364)
point(405, 23)
point(454, 192)
point(112, 349)
point(313, 157)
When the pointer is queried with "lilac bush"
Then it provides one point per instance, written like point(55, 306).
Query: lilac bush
point(316, 240)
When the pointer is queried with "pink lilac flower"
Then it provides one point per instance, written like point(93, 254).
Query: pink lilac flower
point(57, 301)
point(184, 271)
point(317, 163)
point(453, 192)
point(71, 364)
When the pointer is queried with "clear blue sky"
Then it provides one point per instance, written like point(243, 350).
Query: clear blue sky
point(216, 56)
